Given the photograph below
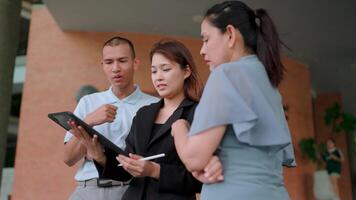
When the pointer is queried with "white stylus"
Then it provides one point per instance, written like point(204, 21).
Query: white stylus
point(150, 157)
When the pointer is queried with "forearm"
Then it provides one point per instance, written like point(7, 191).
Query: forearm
point(88, 120)
point(188, 151)
point(73, 151)
point(196, 151)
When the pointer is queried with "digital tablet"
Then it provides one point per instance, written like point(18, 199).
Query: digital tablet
point(62, 118)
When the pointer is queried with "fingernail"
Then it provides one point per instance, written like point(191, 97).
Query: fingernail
point(206, 175)
point(221, 177)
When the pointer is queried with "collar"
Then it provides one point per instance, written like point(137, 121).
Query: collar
point(244, 59)
point(186, 102)
point(248, 58)
point(131, 99)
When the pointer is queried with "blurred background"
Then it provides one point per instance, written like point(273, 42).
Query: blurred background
point(50, 49)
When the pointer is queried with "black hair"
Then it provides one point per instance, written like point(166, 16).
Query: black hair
point(116, 40)
point(258, 31)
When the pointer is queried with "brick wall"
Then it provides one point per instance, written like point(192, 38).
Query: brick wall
point(323, 132)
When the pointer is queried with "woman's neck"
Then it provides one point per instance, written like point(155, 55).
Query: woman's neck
point(238, 54)
point(174, 102)
point(169, 106)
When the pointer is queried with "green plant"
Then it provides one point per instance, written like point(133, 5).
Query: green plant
point(313, 151)
point(339, 121)
point(308, 148)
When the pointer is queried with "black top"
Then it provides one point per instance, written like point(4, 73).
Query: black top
point(333, 166)
point(147, 139)
point(155, 128)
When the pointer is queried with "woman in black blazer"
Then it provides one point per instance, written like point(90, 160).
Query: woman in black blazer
point(149, 137)
point(175, 78)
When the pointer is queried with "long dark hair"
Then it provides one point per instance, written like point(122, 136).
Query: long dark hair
point(258, 31)
point(179, 53)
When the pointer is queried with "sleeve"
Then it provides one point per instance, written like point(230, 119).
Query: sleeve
point(245, 100)
point(111, 169)
point(288, 158)
point(80, 111)
point(177, 179)
point(221, 104)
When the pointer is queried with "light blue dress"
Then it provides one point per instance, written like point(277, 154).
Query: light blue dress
point(257, 140)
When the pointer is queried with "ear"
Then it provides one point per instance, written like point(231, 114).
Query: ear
point(136, 64)
point(231, 34)
point(187, 72)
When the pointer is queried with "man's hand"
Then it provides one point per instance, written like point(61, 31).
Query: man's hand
point(105, 113)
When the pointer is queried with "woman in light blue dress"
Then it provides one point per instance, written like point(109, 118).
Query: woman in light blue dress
point(240, 116)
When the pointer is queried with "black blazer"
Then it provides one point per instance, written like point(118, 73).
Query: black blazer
point(175, 181)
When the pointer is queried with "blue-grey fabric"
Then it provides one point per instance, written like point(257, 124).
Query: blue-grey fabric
point(239, 93)
point(250, 172)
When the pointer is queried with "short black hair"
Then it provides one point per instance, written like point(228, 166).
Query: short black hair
point(116, 40)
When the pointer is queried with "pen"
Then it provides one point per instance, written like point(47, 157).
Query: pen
point(149, 157)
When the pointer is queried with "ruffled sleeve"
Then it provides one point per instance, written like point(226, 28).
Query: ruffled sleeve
point(243, 97)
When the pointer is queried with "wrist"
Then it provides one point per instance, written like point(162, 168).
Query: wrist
point(88, 121)
point(91, 120)
point(155, 172)
point(101, 159)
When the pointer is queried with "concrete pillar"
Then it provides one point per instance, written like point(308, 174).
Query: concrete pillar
point(9, 34)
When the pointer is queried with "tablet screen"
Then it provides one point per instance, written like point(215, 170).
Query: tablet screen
point(62, 118)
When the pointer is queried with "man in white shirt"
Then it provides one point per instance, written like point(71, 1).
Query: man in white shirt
point(110, 113)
